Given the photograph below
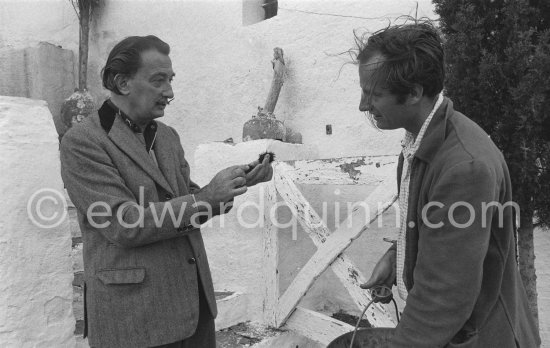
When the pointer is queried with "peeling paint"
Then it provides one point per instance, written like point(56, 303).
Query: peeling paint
point(353, 273)
point(350, 168)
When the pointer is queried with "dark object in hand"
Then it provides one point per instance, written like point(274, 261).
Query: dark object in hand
point(270, 155)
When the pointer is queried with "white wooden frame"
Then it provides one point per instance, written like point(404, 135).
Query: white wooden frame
point(283, 310)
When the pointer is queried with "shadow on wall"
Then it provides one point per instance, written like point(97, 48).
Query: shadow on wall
point(45, 72)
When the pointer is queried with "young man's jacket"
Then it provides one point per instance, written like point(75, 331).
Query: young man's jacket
point(141, 279)
point(464, 287)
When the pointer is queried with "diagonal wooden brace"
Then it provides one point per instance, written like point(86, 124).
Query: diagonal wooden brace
point(327, 255)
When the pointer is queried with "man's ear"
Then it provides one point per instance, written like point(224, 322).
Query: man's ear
point(121, 82)
point(415, 95)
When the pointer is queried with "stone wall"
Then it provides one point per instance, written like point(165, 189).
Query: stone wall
point(44, 71)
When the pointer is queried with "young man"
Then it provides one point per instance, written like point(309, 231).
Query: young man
point(147, 279)
point(454, 261)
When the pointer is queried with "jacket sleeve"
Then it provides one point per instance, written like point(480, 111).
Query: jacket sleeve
point(100, 194)
point(194, 188)
point(453, 241)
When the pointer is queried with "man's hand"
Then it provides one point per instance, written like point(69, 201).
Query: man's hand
point(261, 172)
point(383, 273)
point(224, 186)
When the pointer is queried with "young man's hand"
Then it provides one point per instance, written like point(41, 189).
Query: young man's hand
point(383, 273)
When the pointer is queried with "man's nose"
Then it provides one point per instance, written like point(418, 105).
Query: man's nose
point(168, 92)
point(365, 104)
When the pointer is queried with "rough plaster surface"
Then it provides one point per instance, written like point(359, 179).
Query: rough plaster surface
point(26, 23)
point(542, 265)
point(35, 263)
point(223, 68)
point(223, 74)
point(212, 157)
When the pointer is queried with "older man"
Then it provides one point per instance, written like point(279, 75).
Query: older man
point(454, 260)
point(147, 279)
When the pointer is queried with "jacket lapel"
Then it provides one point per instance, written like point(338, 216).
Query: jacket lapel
point(122, 136)
point(431, 143)
point(435, 133)
point(166, 158)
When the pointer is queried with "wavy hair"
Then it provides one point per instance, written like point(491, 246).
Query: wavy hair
point(125, 58)
point(412, 54)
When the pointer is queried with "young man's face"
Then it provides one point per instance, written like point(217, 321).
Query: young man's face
point(386, 112)
point(151, 86)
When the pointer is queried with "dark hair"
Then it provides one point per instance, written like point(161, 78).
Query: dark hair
point(413, 54)
point(125, 58)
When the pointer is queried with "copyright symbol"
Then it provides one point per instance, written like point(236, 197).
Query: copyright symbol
point(47, 208)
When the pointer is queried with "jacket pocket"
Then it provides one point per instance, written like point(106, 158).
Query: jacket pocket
point(121, 275)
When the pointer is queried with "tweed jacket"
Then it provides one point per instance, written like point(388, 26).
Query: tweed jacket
point(141, 279)
point(464, 288)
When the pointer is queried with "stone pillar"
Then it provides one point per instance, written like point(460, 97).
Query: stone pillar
point(35, 240)
point(44, 71)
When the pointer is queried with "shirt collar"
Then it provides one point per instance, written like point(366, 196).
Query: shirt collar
point(150, 131)
point(411, 144)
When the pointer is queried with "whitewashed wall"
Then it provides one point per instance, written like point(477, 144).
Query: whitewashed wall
point(224, 73)
point(35, 240)
point(223, 70)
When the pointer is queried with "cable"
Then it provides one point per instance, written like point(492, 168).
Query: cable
point(345, 16)
point(396, 311)
point(331, 14)
point(379, 292)
point(358, 322)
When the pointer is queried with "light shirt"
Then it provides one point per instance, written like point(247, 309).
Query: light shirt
point(410, 146)
point(151, 151)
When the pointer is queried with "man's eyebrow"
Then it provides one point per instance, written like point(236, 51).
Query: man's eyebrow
point(163, 74)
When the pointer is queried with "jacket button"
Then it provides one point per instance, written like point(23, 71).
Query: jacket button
point(168, 197)
point(192, 261)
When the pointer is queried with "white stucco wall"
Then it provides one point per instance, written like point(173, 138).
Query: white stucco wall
point(223, 70)
point(542, 265)
point(35, 241)
point(223, 74)
point(28, 22)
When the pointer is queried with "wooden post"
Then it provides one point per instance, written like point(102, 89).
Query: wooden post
point(271, 257)
point(317, 326)
point(84, 7)
point(278, 79)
